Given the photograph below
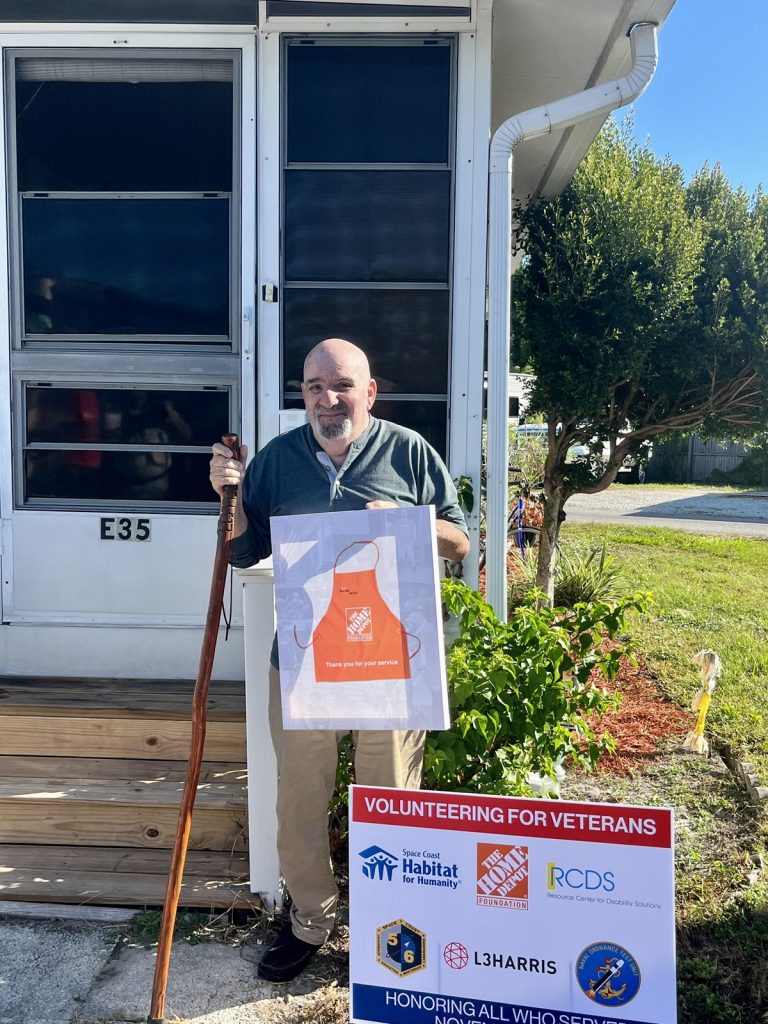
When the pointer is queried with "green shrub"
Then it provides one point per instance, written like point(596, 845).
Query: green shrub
point(521, 577)
point(580, 576)
point(702, 995)
point(590, 575)
point(338, 819)
point(521, 694)
point(527, 454)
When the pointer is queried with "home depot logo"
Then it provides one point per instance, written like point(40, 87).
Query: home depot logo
point(502, 876)
point(359, 623)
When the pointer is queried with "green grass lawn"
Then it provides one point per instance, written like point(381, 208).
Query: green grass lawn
point(708, 592)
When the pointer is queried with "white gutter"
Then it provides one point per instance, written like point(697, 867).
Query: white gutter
point(598, 101)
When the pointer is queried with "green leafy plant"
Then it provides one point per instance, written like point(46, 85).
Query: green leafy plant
point(587, 575)
point(581, 575)
point(191, 926)
point(338, 822)
point(465, 493)
point(527, 453)
point(523, 694)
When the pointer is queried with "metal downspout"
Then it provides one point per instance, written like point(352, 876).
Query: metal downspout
point(599, 100)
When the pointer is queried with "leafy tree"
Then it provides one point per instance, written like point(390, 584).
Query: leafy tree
point(642, 307)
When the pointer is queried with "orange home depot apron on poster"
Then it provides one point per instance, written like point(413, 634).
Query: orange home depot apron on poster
point(359, 638)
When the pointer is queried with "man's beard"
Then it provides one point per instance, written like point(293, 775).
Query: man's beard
point(336, 429)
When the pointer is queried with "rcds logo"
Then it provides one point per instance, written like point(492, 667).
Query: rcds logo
point(377, 863)
point(608, 974)
point(401, 948)
point(559, 877)
point(502, 876)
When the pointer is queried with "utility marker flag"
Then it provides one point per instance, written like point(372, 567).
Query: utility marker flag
point(467, 909)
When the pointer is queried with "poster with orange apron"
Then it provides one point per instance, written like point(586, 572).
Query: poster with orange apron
point(359, 621)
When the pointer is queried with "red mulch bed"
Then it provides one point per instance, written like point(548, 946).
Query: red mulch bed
point(643, 721)
point(644, 718)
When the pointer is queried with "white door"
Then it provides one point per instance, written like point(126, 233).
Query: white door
point(131, 287)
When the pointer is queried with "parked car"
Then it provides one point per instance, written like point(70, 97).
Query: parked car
point(632, 470)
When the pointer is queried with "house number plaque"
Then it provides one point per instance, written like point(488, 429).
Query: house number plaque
point(125, 528)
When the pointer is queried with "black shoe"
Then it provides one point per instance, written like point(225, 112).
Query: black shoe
point(286, 958)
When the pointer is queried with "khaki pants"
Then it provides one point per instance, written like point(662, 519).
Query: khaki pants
point(306, 775)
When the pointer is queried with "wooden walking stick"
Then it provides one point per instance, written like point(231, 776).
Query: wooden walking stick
point(199, 703)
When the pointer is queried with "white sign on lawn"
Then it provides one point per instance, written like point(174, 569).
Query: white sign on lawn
point(470, 909)
point(359, 622)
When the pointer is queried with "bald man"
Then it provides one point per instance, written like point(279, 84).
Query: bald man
point(343, 459)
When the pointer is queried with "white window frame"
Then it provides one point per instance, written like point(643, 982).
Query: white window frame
point(467, 326)
point(371, 23)
point(473, 120)
point(211, 362)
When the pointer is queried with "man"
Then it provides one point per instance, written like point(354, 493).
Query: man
point(343, 459)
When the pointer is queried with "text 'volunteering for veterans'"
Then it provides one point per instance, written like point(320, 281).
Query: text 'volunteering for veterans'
point(598, 823)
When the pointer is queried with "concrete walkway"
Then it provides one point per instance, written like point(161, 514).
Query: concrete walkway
point(61, 972)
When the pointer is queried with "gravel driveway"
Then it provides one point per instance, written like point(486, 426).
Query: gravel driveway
point(699, 509)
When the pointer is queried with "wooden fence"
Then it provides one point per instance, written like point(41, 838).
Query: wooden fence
point(692, 460)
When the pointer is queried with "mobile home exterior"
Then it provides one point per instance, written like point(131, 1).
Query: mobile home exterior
point(193, 194)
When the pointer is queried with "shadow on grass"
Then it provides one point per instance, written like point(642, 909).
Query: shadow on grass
point(723, 969)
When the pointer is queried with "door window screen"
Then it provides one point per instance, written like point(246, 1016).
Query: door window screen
point(125, 174)
point(368, 103)
point(367, 215)
point(126, 266)
point(125, 225)
point(128, 444)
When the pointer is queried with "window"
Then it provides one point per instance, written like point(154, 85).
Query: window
point(125, 266)
point(123, 172)
point(128, 444)
point(367, 215)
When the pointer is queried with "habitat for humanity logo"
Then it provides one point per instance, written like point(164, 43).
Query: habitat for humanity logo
point(419, 867)
point(502, 876)
point(377, 863)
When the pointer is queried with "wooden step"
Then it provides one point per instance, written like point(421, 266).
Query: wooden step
point(91, 778)
point(123, 737)
point(117, 718)
point(171, 699)
point(134, 804)
point(120, 877)
point(26, 766)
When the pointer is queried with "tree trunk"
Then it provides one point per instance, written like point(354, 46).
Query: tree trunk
point(554, 499)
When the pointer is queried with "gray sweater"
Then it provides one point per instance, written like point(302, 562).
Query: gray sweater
point(387, 462)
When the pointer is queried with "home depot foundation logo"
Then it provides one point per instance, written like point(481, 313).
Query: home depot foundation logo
point(359, 623)
point(502, 876)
